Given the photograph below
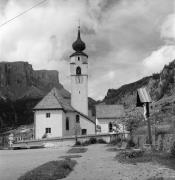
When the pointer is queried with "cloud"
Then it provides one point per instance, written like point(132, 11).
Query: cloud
point(166, 53)
point(124, 38)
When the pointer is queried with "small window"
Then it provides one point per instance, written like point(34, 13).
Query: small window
point(78, 70)
point(47, 115)
point(78, 58)
point(77, 118)
point(67, 123)
point(84, 131)
point(48, 130)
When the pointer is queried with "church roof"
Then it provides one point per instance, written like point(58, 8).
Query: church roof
point(109, 111)
point(54, 100)
point(79, 46)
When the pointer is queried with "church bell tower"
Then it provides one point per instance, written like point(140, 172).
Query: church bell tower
point(79, 76)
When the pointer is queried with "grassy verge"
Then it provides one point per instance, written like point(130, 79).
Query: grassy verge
point(77, 150)
point(164, 159)
point(71, 156)
point(50, 171)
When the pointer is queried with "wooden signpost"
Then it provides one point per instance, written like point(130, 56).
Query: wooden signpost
point(143, 100)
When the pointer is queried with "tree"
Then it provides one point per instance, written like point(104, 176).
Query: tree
point(132, 124)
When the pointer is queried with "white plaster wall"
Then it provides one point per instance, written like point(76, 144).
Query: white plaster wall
point(79, 90)
point(104, 123)
point(71, 130)
point(86, 124)
point(54, 122)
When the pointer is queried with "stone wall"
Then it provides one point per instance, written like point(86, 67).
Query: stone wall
point(163, 142)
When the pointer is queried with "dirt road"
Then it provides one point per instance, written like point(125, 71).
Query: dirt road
point(99, 164)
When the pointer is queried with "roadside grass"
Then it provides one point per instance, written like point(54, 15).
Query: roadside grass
point(162, 158)
point(71, 156)
point(50, 171)
point(77, 150)
point(156, 178)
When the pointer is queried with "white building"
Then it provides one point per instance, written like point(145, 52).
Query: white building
point(108, 117)
point(56, 115)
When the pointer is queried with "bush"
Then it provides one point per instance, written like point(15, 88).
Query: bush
point(101, 141)
point(92, 140)
point(130, 143)
point(50, 171)
point(132, 156)
point(85, 143)
point(77, 143)
point(173, 149)
point(116, 141)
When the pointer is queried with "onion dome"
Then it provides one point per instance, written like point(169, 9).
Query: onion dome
point(78, 45)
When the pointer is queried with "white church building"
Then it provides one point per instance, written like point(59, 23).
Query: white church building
point(57, 115)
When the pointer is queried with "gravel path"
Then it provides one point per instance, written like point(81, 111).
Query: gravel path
point(99, 164)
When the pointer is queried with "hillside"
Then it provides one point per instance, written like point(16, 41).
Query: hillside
point(161, 88)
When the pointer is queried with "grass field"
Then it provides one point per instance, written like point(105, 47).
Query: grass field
point(50, 171)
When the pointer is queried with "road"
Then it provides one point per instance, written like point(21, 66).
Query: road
point(14, 163)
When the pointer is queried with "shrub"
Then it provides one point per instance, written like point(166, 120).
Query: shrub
point(85, 143)
point(130, 143)
point(173, 149)
point(77, 143)
point(92, 140)
point(101, 141)
point(50, 171)
point(116, 141)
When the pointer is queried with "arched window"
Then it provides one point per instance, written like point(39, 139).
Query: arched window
point(78, 70)
point(110, 127)
point(77, 118)
point(67, 123)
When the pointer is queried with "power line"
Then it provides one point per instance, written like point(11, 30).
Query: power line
point(24, 12)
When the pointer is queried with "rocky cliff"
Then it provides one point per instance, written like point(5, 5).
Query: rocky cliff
point(161, 87)
point(17, 78)
point(21, 88)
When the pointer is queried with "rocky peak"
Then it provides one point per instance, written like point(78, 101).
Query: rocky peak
point(18, 77)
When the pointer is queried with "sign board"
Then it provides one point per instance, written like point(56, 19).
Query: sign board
point(143, 97)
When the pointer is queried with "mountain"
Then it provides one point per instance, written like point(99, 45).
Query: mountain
point(17, 79)
point(21, 88)
point(161, 87)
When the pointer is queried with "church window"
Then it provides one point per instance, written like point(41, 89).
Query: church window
point(78, 58)
point(48, 130)
point(47, 115)
point(78, 70)
point(67, 123)
point(77, 118)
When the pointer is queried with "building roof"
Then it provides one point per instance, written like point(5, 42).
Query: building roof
point(54, 100)
point(109, 111)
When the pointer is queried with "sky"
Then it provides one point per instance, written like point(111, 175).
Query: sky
point(125, 39)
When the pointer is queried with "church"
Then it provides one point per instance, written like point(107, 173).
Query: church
point(57, 115)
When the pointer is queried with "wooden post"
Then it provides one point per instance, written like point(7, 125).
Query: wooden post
point(146, 114)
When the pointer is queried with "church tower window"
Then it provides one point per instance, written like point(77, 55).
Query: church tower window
point(78, 70)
